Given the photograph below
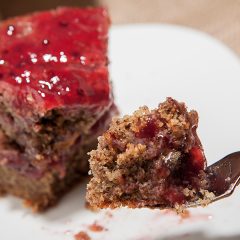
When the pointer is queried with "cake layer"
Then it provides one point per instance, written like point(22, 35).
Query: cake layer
point(37, 193)
point(152, 158)
point(57, 130)
point(35, 163)
point(41, 179)
point(41, 189)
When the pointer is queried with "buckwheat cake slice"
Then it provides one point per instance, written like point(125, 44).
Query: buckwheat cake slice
point(152, 158)
point(55, 99)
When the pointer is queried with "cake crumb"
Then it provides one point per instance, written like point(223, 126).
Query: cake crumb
point(179, 208)
point(82, 236)
point(108, 214)
point(95, 227)
point(207, 197)
point(91, 208)
point(185, 214)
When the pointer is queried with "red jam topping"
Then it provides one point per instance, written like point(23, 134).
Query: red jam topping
point(149, 130)
point(197, 160)
point(174, 195)
point(56, 58)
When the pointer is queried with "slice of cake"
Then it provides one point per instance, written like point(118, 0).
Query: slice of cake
point(55, 99)
point(152, 158)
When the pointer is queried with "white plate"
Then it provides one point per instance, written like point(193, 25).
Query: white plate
point(149, 63)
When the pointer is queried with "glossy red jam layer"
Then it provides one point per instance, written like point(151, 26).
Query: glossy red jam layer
point(55, 58)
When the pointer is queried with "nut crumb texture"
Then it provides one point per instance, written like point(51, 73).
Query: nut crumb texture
point(152, 158)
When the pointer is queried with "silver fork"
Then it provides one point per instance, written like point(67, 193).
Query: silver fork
point(224, 176)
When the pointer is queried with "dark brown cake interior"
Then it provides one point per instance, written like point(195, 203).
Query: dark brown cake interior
point(150, 159)
point(43, 179)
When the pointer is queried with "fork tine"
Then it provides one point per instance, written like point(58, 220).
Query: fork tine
point(224, 175)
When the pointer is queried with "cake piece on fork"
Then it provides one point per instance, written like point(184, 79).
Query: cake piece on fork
point(152, 158)
point(55, 99)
